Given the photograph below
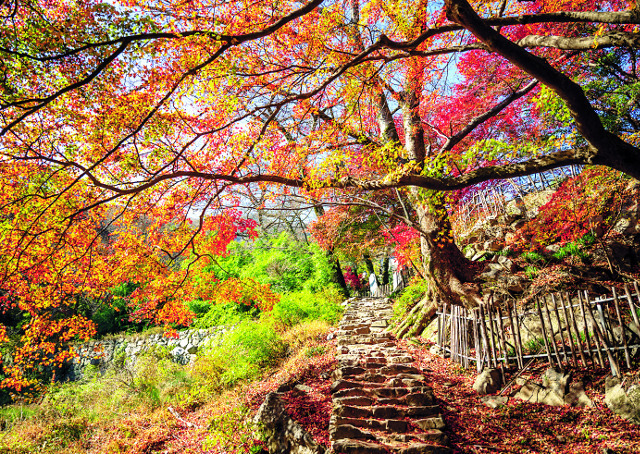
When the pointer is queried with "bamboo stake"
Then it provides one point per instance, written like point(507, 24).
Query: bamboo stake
point(615, 370)
point(513, 333)
point(574, 356)
point(440, 326)
point(553, 336)
point(519, 337)
point(544, 333)
point(476, 340)
point(452, 342)
point(635, 286)
point(485, 340)
point(575, 330)
point(605, 327)
point(492, 339)
point(596, 339)
point(592, 354)
point(458, 336)
point(555, 311)
point(465, 332)
point(627, 356)
point(632, 306)
point(503, 344)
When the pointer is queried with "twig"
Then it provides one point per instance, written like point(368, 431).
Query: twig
point(179, 418)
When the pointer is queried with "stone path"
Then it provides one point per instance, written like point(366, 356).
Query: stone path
point(381, 404)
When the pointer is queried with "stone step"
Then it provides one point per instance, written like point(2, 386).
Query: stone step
point(381, 402)
point(349, 431)
point(348, 446)
point(423, 448)
point(435, 422)
point(431, 436)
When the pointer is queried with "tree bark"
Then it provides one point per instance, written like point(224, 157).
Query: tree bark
point(338, 277)
point(452, 278)
point(385, 271)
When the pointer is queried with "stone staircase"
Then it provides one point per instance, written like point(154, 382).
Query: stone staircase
point(381, 403)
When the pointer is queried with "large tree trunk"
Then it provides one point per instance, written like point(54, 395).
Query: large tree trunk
point(385, 270)
point(451, 277)
point(338, 277)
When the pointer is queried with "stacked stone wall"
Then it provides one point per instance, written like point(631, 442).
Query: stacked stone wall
point(125, 350)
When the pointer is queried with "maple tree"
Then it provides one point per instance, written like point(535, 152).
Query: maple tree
point(176, 110)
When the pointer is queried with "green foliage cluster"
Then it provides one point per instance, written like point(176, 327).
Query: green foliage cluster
point(297, 307)
point(300, 272)
point(412, 294)
point(112, 315)
point(242, 354)
point(284, 263)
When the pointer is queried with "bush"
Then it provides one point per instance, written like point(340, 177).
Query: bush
point(410, 296)
point(241, 354)
point(297, 307)
point(582, 205)
point(226, 314)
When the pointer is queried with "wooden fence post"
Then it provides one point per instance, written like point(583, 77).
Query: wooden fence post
point(544, 333)
point(476, 340)
point(627, 356)
point(575, 330)
point(553, 336)
point(566, 319)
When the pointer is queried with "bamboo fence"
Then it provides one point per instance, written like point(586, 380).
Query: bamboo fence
point(571, 329)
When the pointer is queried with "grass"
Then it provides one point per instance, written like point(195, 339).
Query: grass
point(127, 410)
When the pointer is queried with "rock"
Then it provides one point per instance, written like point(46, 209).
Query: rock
point(623, 225)
point(192, 349)
point(488, 382)
point(556, 390)
point(491, 271)
point(478, 256)
point(347, 446)
point(517, 225)
point(516, 284)
point(495, 401)
point(514, 209)
point(177, 352)
point(282, 434)
point(625, 403)
point(303, 389)
point(493, 245)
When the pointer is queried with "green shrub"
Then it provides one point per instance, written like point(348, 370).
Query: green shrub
point(297, 307)
point(242, 353)
point(533, 257)
point(226, 314)
point(531, 271)
point(284, 263)
point(570, 250)
point(413, 293)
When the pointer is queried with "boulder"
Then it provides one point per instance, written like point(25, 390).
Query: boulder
point(495, 401)
point(556, 390)
point(488, 382)
point(282, 434)
point(624, 402)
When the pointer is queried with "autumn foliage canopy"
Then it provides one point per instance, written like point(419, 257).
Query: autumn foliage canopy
point(132, 132)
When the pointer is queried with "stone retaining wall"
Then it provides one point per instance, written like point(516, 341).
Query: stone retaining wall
point(125, 350)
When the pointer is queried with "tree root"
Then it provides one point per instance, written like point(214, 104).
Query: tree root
point(417, 320)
